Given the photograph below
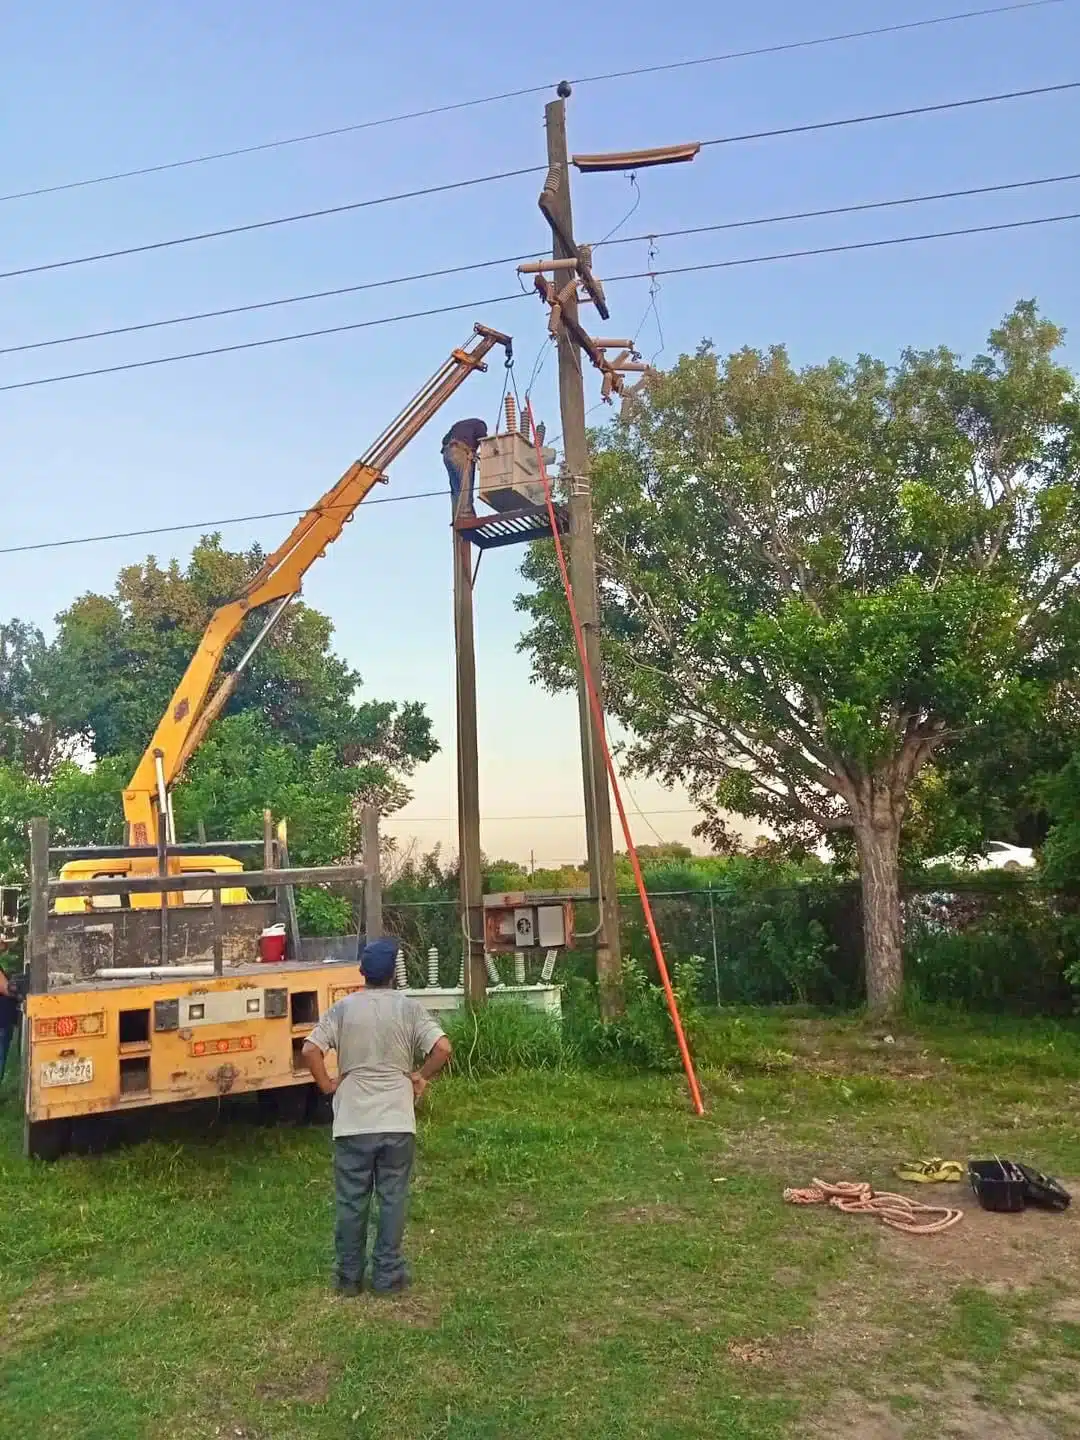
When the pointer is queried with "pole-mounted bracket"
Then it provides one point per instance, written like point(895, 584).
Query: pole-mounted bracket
point(562, 324)
point(581, 254)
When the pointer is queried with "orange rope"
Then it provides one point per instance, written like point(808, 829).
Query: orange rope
point(900, 1212)
point(598, 718)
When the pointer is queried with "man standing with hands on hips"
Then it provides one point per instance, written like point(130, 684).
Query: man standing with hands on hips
point(377, 1033)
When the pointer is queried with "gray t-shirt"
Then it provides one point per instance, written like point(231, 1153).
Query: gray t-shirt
point(377, 1034)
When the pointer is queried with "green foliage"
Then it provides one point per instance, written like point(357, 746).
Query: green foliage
point(118, 658)
point(30, 739)
point(1001, 945)
point(294, 736)
point(504, 1037)
point(814, 582)
point(321, 912)
point(83, 808)
point(1061, 794)
point(643, 1038)
point(243, 767)
point(18, 803)
point(797, 952)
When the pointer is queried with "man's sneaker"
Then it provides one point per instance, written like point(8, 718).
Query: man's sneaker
point(347, 1289)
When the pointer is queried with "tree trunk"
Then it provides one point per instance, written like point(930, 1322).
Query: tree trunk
point(877, 835)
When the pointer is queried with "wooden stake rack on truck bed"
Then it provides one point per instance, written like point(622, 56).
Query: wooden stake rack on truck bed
point(130, 1008)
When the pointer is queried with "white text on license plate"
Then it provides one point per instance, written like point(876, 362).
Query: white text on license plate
point(67, 1072)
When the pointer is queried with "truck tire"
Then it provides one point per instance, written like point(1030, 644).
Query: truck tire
point(320, 1107)
point(285, 1105)
point(48, 1139)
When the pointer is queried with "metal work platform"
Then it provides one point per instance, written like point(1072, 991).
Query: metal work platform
point(510, 527)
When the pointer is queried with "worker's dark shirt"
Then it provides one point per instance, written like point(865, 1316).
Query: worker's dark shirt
point(9, 1011)
point(465, 432)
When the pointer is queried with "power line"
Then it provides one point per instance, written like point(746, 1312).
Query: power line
point(262, 344)
point(776, 49)
point(892, 114)
point(851, 209)
point(525, 255)
point(429, 494)
point(842, 249)
point(268, 224)
point(520, 295)
point(570, 815)
point(269, 304)
point(211, 525)
point(352, 205)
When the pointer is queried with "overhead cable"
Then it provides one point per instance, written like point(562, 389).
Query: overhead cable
point(781, 47)
point(268, 224)
point(892, 114)
point(209, 526)
point(340, 290)
point(293, 219)
point(519, 295)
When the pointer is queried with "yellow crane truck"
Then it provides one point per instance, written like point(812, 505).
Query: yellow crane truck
point(144, 985)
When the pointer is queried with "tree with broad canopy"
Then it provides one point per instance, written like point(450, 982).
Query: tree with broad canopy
point(815, 582)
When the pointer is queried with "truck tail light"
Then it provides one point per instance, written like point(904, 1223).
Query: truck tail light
point(224, 1046)
point(65, 1027)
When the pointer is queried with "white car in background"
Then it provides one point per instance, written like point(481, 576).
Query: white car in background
point(997, 856)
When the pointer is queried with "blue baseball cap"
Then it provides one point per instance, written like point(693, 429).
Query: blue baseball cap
point(377, 959)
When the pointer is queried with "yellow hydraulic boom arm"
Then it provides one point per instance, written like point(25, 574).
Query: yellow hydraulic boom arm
point(192, 708)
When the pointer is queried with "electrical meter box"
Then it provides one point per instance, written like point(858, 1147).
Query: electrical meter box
point(528, 920)
point(509, 472)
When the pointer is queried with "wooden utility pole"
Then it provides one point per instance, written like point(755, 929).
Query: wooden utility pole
point(468, 765)
point(373, 921)
point(582, 562)
point(287, 895)
point(38, 937)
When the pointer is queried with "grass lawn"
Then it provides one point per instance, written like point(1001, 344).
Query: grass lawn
point(590, 1260)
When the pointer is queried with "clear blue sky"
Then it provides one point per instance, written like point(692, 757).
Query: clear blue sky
point(94, 88)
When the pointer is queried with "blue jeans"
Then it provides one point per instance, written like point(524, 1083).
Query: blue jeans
point(460, 464)
point(363, 1163)
point(7, 1035)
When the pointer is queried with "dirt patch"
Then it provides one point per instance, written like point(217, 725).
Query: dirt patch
point(309, 1386)
point(814, 1049)
point(30, 1310)
point(848, 1331)
point(953, 1412)
point(850, 1415)
point(1002, 1254)
point(409, 1308)
point(788, 1275)
point(42, 1293)
point(521, 1211)
point(748, 1352)
point(1061, 1404)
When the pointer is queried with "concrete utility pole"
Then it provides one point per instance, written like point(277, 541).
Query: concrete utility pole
point(582, 564)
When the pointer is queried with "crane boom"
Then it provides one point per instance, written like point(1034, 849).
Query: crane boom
point(193, 708)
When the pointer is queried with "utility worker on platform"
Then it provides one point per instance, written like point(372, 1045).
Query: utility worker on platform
point(459, 451)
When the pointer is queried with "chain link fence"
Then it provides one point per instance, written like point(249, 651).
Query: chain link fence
point(988, 945)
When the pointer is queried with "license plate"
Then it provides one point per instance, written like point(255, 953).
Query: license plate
point(67, 1072)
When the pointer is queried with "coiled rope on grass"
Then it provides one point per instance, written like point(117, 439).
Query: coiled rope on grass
point(856, 1197)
